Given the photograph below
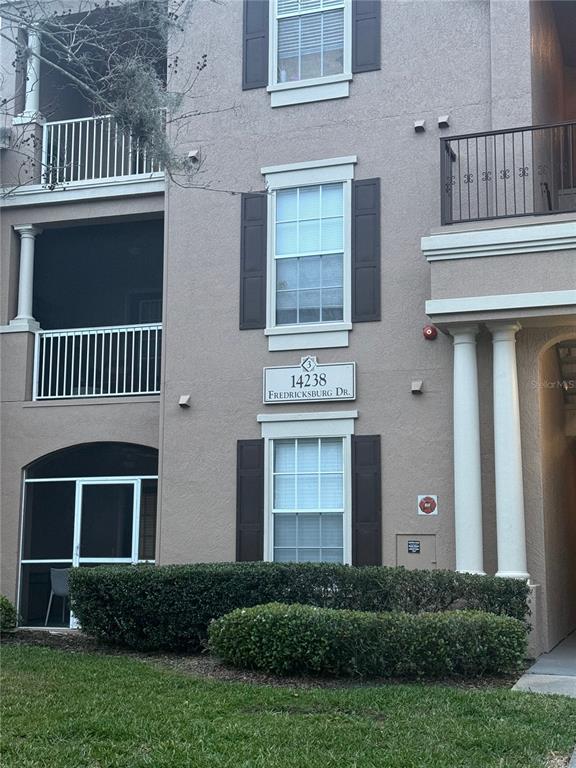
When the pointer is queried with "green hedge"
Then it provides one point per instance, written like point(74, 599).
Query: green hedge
point(302, 639)
point(8, 615)
point(169, 607)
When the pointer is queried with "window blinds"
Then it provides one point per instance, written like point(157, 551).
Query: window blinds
point(311, 44)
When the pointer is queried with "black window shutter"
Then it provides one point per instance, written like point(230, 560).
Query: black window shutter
point(365, 35)
point(250, 500)
point(253, 261)
point(255, 44)
point(366, 500)
point(365, 250)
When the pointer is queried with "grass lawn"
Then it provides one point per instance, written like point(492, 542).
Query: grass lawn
point(85, 710)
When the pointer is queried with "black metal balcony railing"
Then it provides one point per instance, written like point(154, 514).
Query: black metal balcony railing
point(517, 172)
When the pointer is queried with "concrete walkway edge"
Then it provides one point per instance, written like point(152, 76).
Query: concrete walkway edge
point(553, 673)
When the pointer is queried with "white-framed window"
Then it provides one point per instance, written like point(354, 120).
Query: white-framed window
point(308, 500)
point(307, 485)
point(311, 51)
point(309, 254)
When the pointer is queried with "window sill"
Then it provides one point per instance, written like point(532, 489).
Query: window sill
point(286, 94)
point(291, 337)
point(311, 83)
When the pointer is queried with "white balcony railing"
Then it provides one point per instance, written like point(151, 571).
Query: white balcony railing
point(98, 362)
point(92, 149)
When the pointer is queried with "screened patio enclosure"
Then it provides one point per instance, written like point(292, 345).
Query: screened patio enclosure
point(88, 505)
point(97, 296)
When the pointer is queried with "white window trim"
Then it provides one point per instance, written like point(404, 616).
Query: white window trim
point(313, 335)
point(314, 89)
point(302, 425)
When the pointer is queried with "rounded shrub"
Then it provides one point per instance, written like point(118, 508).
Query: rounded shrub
point(8, 615)
point(169, 607)
point(300, 639)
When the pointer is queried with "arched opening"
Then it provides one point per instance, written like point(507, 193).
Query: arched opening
point(86, 505)
point(557, 383)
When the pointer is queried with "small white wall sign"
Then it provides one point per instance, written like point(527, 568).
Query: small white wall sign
point(309, 381)
point(428, 505)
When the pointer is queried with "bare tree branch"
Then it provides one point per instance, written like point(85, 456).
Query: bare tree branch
point(114, 56)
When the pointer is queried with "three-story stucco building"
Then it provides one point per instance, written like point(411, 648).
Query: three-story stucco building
point(351, 339)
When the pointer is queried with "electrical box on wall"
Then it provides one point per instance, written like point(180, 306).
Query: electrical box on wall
point(416, 551)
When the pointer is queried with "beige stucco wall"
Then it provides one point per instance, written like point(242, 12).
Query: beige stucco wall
point(496, 275)
point(510, 67)
point(205, 353)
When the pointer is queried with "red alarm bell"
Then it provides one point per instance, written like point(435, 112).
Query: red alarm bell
point(430, 332)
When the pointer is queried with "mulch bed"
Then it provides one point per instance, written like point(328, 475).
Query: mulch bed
point(209, 668)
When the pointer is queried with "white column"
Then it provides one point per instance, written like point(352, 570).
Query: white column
point(32, 103)
point(467, 463)
point(511, 533)
point(24, 319)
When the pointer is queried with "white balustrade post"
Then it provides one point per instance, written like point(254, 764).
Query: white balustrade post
point(32, 103)
point(467, 462)
point(24, 320)
point(511, 533)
